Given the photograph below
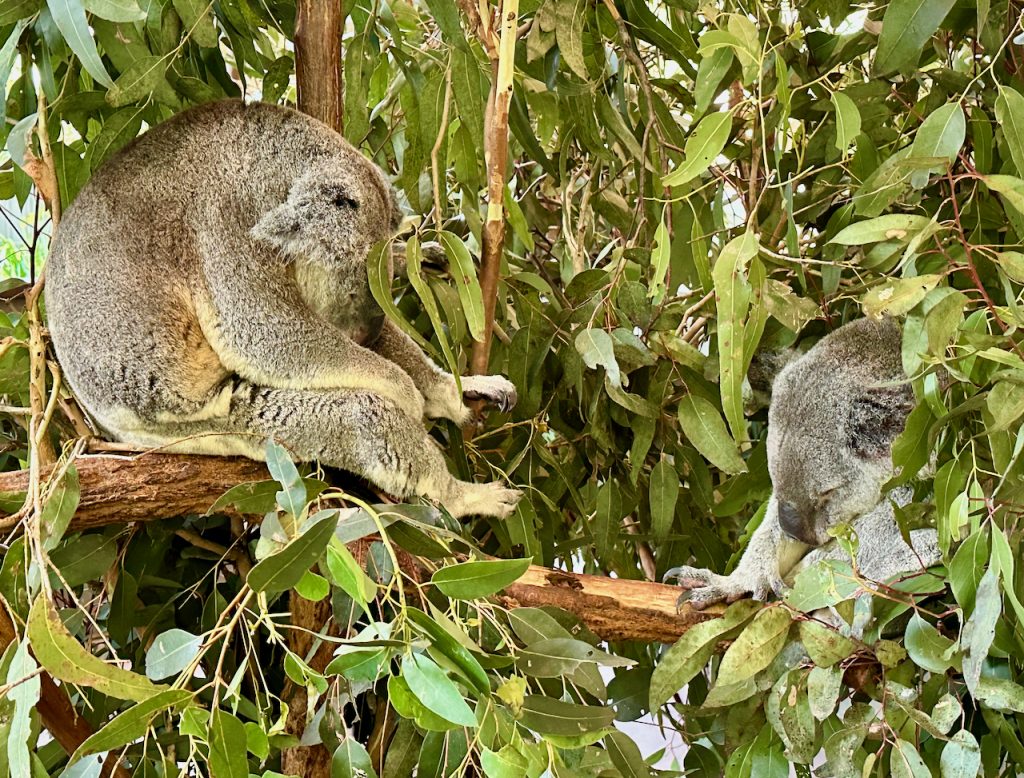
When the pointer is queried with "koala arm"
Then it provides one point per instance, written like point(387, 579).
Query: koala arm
point(769, 555)
point(439, 389)
point(262, 330)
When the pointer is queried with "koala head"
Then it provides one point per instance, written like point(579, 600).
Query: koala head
point(834, 414)
point(333, 213)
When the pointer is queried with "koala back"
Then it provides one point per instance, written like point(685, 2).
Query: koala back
point(127, 297)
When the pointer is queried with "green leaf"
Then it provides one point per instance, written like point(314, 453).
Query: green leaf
point(663, 496)
point(448, 645)
point(941, 134)
point(961, 756)
point(895, 226)
point(1010, 116)
point(823, 687)
point(227, 746)
point(197, 19)
point(906, 27)
point(117, 131)
point(59, 508)
point(980, 629)
point(292, 496)
point(115, 10)
point(756, 647)
point(138, 82)
point(349, 576)
point(825, 646)
point(64, 658)
point(408, 706)
point(69, 16)
point(733, 295)
point(414, 262)
point(702, 147)
point(570, 17)
point(285, 568)
point(25, 694)
point(434, 689)
point(704, 428)
point(897, 296)
point(596, 348)
point(549, 716)
point(473, 580)
point(906, 762)
point(378, 266)
point(660, 259)
point(130, 725)
point(464, 272)
point(1000, 694)
point(351, 760)
point(927, 648)
point(692, 651)
point(847, 120)
point(1006, 404)
point(170, 653)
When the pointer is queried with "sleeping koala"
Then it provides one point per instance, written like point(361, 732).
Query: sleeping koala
point(834, 414)
point(208, 289)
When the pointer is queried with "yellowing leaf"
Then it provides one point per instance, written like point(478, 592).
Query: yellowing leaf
point(64, 658)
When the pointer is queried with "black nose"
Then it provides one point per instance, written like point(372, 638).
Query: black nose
point(793, 525)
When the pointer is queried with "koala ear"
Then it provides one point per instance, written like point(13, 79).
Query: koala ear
point(278, 226)
point(876, 419)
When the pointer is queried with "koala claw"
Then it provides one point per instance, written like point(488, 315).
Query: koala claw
point(494, 389)
point(704, 588)
point(490, 499)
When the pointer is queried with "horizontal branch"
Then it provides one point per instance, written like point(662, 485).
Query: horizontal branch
point(147, 487)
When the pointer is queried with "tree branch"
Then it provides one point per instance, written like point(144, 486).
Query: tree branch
point(116, 490)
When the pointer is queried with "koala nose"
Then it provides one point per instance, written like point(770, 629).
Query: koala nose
point(792, 524)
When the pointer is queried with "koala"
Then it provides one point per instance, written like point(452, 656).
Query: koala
point(208, 290)
point(834, 414)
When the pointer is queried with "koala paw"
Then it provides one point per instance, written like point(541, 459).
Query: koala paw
point(494, 389)
point(704, 588)
point(491, 499)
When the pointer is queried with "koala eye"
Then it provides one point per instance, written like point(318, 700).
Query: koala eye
point(825, 496)
point(341, 199)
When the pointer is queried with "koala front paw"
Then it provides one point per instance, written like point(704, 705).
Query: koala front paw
point(704, 588)
point(491, 499)
point(493, 389)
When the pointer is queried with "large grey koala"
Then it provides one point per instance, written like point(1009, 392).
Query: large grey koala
point(208, 289)
point(834, 414)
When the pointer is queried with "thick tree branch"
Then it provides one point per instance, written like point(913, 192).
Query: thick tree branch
point(116, 490)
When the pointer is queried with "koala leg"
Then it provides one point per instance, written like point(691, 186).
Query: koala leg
point(354, 430)
point(442, 399)
point(759, 574)
point(370, 436)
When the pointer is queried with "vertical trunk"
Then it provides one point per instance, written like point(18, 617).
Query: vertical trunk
point(318, 72)
point(318, 65)
point(496, 148)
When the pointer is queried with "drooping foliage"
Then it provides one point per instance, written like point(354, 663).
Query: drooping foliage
point(688, 184)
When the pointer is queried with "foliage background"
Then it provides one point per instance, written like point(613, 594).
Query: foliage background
point(688, 183)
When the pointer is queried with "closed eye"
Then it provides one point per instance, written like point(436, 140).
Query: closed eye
point(825, 496)
point(341, 199)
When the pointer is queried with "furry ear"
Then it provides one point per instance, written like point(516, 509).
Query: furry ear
point(877, 417)
point(278, 226)
point(764, 367)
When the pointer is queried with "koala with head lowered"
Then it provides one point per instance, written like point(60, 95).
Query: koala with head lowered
point(834, 414)
point(208, 289)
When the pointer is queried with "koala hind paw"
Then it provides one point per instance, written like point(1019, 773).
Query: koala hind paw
point(493, 389)
point(490, 499)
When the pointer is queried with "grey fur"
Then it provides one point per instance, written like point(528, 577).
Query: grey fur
point(208, 289)
point(834, 414)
